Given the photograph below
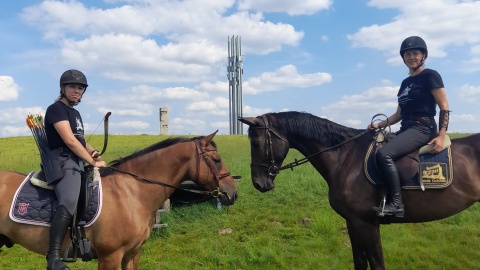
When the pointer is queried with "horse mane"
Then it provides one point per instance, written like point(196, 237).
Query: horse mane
point(309, 126)
point(149, 149)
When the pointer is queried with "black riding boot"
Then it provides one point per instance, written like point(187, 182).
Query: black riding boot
point(394, 206)
point(60, 222)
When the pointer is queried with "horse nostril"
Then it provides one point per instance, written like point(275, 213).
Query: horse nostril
point(232, 198)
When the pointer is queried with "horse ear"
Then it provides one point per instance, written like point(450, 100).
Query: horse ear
point(209, 138)
point(247, 120)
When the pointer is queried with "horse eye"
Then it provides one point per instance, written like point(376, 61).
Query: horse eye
point(255, 142)
point(217, 159)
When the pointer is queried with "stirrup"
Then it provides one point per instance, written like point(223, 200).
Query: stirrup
point(381, 208)
point(381, 212)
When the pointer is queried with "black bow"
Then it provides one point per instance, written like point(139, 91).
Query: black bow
point(105, 136)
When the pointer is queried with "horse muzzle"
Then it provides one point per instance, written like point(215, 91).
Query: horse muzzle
point(227, 199)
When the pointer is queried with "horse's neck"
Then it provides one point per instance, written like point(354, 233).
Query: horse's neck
point(323, 160)
point(165, 166)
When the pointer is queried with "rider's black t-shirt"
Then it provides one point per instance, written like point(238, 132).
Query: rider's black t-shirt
point(415, 95)
point(56, 112)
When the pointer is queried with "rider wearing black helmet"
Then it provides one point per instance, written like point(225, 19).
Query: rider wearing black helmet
point(412, 43)
point(65, 136)
point(418, 96)
point(72, 76)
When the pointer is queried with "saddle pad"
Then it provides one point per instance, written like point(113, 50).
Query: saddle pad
point(34, 205)
point(434, 171)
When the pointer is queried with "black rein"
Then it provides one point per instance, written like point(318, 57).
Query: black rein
point(273, 169)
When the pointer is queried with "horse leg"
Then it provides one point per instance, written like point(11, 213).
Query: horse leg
point(131, 264)
point(111, 261)
point(366, 244)
point(5, 241)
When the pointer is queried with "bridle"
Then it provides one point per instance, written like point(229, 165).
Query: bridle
point(273, 170)
point(203, 152)
point(199, 152)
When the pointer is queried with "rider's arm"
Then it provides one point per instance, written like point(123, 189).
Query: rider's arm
point(64, 130)
point(391, 120)
point(441, 98)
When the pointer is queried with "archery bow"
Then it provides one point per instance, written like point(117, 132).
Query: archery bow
point(105, 136)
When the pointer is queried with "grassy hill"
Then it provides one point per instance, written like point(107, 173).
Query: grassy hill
point(291, 227)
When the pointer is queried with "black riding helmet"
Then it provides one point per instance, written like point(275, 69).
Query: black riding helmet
point(412, 43)
point(75, 77)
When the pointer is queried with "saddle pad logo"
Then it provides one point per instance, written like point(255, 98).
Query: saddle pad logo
point(23, 208)
point(433, 172)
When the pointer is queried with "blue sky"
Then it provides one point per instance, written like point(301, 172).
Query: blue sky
point(335, 59)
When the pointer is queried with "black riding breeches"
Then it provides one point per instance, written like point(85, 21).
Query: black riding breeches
point(68, 188)
point(404, 143)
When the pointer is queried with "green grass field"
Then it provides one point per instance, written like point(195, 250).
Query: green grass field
point(291, 227)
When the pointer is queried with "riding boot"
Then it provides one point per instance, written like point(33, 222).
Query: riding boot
point(394, 206)
point(58, 227)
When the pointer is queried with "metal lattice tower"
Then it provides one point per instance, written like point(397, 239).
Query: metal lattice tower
point(235, 72)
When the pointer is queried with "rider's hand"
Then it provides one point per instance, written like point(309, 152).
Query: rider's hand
point(373, 126)
point(437, 144)
point(99, 163)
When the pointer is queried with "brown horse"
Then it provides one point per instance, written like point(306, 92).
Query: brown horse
point(337, 153)
point(132, 193)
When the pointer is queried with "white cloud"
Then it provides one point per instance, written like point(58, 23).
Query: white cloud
point(220, 125)
point(469, 93)
point(282, 78)
point(8, 89)
point(382, 97)
point(209, 107)
point(353, 122)
point(179, 22)
point(291, 7)
point(219, 87)
point(440, 23)
point(18, 115)
point(147, 61)
point(134, 125)
point(249, 111)
point(475, 49)
point(11, 117)
point(188, 126)
point(360, 108)
point(14, 131)
point(463, 118)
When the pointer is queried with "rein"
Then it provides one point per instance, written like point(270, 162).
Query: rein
point(217, 192)
point(273, 169)
point(212, 168)
point(305, 159)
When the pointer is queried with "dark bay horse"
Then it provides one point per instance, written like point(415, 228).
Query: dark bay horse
point(131, 200)
point(337, 153)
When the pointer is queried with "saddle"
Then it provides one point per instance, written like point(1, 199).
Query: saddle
point(418, 170)
point(78, 240)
